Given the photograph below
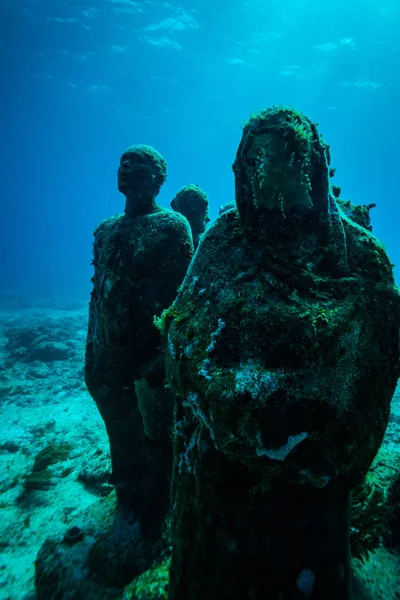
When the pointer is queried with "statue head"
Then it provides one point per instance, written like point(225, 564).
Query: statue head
point(192, 202)
point(141, 173)
point(282, 165)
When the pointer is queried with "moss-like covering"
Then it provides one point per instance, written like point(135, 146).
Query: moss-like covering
point(150, 585)
point(283, 350)
point(140, 259)
point(139, 264)
point(230, 321)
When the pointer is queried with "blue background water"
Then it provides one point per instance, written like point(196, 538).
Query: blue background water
point(81, 81)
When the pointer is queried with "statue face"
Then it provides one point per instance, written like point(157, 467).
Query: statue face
point(281, 165)
point(279, 170)
point(141, 173)
point(134, 176)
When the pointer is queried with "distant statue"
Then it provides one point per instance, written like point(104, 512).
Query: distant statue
point(192, 202)
point(283, 352)
point(140, 259)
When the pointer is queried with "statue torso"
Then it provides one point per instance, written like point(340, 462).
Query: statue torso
point(139, 263)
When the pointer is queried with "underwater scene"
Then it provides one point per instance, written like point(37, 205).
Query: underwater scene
point(199, 311)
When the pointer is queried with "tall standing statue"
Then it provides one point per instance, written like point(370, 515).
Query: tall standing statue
point(140, 259)
point(283, 352)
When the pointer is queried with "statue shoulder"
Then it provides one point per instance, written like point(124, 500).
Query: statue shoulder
point(173, 223)
point(226, 229)
point(107, 225)
point(221, 248)
point(366, 253)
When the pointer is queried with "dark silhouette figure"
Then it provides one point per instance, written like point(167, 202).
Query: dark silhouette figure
point(140, 259)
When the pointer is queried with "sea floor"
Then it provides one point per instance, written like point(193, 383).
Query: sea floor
point(43, 400)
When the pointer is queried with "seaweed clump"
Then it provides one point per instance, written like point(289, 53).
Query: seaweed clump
point(40, 477)
point(370, 520)
point(150, 585)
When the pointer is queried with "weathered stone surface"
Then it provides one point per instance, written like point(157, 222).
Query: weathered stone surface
point(283, 350)
point(140, 259)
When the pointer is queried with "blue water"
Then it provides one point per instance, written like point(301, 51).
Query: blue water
point(81, 81)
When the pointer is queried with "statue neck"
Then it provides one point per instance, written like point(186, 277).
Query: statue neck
point(137, 205)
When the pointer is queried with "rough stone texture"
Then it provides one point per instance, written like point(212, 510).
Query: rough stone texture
point(359, 213)
point(139, 264)
point(140, 259)
point(283, 350)
point(192, 202)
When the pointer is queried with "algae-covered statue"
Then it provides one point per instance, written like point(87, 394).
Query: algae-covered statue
point(283, 351)
point(140, 259)
point(192, 202)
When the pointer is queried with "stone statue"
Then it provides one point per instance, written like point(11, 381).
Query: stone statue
point(140, 259)
point(282, 348)
point(192, 202)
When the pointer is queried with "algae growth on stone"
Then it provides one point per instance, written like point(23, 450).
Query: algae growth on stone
point(282, 349)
